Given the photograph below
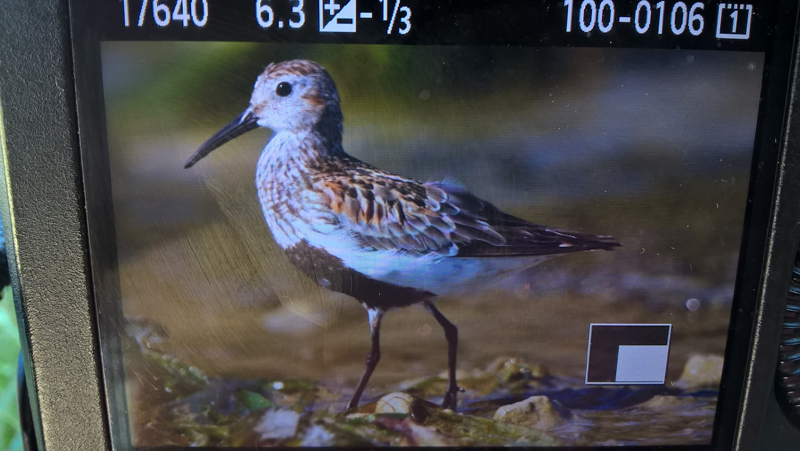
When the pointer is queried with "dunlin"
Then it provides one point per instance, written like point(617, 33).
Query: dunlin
point(386, 240)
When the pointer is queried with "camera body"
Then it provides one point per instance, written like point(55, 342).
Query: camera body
point(58, 256)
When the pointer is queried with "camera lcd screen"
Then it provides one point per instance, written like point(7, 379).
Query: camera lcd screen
point(320, 242)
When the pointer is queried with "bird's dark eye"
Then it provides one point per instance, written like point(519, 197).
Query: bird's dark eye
point(283, 89)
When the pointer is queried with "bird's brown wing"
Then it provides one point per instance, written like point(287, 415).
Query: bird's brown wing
point(388, 212)
point(520, 237)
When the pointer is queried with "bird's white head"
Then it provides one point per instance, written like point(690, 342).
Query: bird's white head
point(296, 96)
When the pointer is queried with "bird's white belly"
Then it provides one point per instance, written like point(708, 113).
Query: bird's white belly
point(435, 273)
point(439, 275)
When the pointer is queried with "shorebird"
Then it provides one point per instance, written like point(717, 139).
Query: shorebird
point(386, 240)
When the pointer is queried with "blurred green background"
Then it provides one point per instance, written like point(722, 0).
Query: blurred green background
point(9, 354)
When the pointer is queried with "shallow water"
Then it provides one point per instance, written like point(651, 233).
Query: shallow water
point(178, 405)
point(238, 362)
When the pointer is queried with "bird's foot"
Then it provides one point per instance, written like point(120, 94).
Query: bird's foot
point(450, 397)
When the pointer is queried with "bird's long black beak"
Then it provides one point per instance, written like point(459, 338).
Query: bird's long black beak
point(237, 127)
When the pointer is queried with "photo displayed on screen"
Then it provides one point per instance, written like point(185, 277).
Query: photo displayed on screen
point(541, 243)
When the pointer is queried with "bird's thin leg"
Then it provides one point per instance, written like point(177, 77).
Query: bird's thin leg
point(451, 333)
point(375, 316)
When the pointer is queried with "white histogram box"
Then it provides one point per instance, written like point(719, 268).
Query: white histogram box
point(642, 364)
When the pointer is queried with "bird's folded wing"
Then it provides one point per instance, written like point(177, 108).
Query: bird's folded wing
point(441, 219)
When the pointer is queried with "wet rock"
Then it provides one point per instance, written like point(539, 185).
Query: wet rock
point(396, 402)
point(277, 424)
point(664, 402)
point(701, 371)
point(536, 412)
point(403, 403)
